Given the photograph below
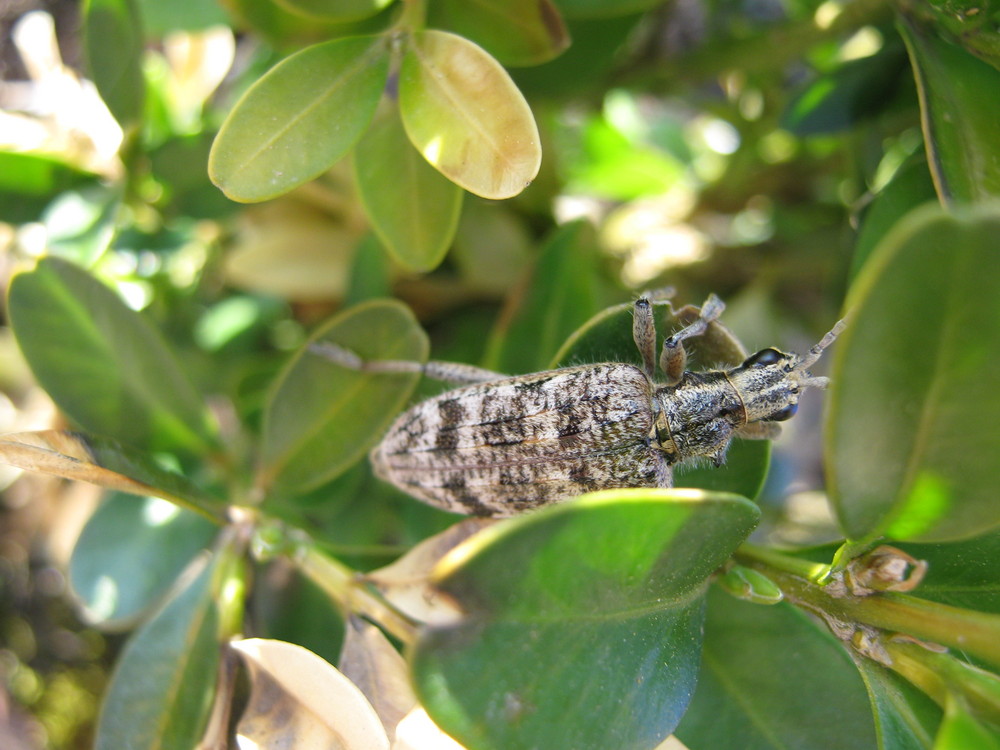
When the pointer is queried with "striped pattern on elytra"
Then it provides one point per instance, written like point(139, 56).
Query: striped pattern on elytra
point(503, 445)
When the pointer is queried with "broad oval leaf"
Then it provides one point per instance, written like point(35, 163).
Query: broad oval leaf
point(130, 552)
point(322, 417)
point(413, 209)
point(114, 42)
point(911, 434)
point(607, 337)
point(962, 149)
point(775, 679)
point(582, 621)
point(299, 118)
point(299, 700)
point(103, 364)
point(90, 458)
point(559, 295)
point(335, 10)
point(162, 688)
point(516, 32)
point(465, 115)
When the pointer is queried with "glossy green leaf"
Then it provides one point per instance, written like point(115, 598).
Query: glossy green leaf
point(905, 718)
point(28, 182)
point(113, 39)
point(962, 730)
point(962, 149)
point(581, 622)
point(591, 8)
point(102, 363)
point(413, 209)
point(160, 18)
point(516, 32)
point(162, 687)
point(607, 337)
point(775, 679)
point(465, 115)
point(911, 434)
point(335, 10)
point(971, 23)
point(130, 552)
point(94, 459)
point(561, 294)
point(321, 417)
point(300, 118)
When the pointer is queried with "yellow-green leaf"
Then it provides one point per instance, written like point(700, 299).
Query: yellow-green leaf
point(465, 115)
point(413, 209)
point(300, 118)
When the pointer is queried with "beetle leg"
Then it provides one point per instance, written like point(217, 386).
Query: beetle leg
point(449, 372)
point(673, 358)
point(644, 335)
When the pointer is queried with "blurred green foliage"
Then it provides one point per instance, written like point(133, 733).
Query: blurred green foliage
point(787, 155)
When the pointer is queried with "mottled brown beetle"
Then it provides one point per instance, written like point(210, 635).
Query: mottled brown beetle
point(504, 445)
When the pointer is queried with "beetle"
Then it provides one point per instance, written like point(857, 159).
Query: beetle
point(504, 445)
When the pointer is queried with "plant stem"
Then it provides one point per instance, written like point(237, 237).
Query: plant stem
point(343, 585)
point(974, 633)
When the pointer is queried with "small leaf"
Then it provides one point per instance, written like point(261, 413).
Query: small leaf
point(89, 458)
point(961, 149)
point(130, 552)
point(516, 32)
point(413, 209)
point(571, 605)
point(911, 437)
point(114, 42)
point(466, 116)
point(321, 417)
point(561, 294)
point(794, 687)
point(376, 667)
point(299, 700)
point(103, 364)
point(335, 10)
point(161, 691)
point(300, 118)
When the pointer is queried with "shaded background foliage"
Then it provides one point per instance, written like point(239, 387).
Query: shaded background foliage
point(760, 150)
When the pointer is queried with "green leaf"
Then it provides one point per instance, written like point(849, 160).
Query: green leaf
point(91, 458)
point(963, 574)
point(162, 687)
point(516, 32)
point(560, 296)
point(335, 10)
point(607, 337)
point(130, 552)
point(905, 718)
point(910, 187)
point(962, 149)
point(581, 622)
point(370, 272)
point(321, 417)
point(161, 18)
point(911, 438)
point(299, 118)
point(413, 209)
point(80, 224)
point(465, 115)
point(103, 364)
point(971, 23)
point(961, 730)
point(592, 8)
point(113, 39)
point(773, 678)
point(28, 182)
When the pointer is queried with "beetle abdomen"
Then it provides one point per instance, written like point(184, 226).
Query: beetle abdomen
point(504, 447)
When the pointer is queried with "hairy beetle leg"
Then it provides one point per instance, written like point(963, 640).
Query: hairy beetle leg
point(448, 372)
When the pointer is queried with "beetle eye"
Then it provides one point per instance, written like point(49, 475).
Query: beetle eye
point(763, 357)
point(784, 413)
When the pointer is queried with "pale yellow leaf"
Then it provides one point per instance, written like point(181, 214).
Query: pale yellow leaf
point(299, 700)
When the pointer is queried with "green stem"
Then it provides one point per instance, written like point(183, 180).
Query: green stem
point(344, 586)
point(974, 633)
